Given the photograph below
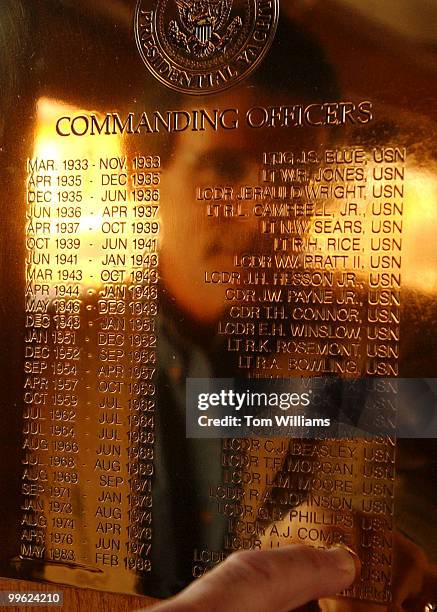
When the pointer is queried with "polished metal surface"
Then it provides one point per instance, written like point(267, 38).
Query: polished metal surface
point(198, 193)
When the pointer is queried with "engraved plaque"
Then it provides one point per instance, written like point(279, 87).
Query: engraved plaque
point(203, 203)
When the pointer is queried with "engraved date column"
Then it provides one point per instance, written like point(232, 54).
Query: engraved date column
point(142, 313)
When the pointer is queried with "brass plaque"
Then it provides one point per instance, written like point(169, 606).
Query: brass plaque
point(196, 192)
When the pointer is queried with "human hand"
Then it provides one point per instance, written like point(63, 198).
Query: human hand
point(413, 587)
point(267, 581)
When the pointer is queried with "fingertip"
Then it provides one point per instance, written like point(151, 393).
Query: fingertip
point(346, 561)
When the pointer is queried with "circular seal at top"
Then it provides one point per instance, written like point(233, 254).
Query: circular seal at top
point(204, 46)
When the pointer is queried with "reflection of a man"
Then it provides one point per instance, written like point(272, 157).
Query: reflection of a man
point(192, 244)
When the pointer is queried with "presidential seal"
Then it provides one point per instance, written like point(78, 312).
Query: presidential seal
point(204, 46)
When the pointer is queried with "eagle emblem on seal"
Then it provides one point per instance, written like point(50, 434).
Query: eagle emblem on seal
point(205, 29)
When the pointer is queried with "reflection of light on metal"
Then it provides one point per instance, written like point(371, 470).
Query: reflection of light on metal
point(50, 146)
point(417, 237)
point(67, 175)
point(419, 253)
point(409, 232)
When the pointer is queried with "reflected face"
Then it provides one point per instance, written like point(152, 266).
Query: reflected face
point(195, 239)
